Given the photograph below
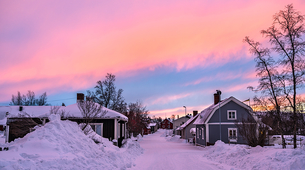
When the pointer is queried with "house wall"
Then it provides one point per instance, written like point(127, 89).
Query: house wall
point(180, 121)
point(166, 124)
point(240, 111)
point(187, 130)
point(200, 137)
point(214, 134)
point(19, 127)
point(213, 129)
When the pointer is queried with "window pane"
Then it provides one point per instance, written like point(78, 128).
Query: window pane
point(98, 130)
point(233, 115)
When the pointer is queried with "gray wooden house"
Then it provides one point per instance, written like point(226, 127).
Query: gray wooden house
point(185, 129)
point(212, 124)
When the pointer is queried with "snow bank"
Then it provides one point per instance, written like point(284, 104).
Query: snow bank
point(245, 157)
point(62, 145)
point(166, 132)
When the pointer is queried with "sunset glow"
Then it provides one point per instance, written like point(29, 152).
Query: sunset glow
point(168, 54)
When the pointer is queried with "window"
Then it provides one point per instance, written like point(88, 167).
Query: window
point(97, 128)
point(231, 114)
point(119, 130)
point(232, 134)
point(202, 137)
point(197, 132)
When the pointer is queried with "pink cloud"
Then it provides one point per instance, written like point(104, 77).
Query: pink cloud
point(69, 45)
point(166, 99)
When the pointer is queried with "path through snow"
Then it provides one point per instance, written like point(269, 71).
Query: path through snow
point(161, 154)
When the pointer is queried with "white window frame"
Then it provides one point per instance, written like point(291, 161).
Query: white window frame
point(228, 111)
point(233, 129)
point(95, 127)
point(202, 137)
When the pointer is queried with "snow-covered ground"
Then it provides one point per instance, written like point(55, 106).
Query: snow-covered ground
point(62, 145)
point(161, 152)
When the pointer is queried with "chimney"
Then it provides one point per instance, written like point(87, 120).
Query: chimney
point(80, 96)
point(195, 112)
point(217, 96)
point(177, 116)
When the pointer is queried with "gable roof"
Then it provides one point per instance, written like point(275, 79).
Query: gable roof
point(207, 113)
point(187, 122)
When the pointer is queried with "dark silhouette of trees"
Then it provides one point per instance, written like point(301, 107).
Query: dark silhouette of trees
point(29, 99)
point(279, 80)
point(106, 95)
point(137, 118)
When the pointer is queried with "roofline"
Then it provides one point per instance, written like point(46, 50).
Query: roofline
point(238, 102)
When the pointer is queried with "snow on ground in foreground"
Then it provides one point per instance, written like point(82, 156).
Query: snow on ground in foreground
point(62, 145)
point(245, 157)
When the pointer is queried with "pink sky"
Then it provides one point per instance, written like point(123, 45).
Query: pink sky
point(57, 46)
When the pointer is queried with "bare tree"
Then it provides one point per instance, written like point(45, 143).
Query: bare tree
point(107, 95)
point(90, 110)
point(18, 99)
point(137, 118)
point(248, 130)
point(269, 84)
point(285, 36)
point(29, 99)
point(42, 101)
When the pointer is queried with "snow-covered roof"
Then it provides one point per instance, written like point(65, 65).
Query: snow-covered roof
point(73, 111)
point(152, 124)
point(204, 115)
point(44, 111)
point(187, 122)
point(27, 111)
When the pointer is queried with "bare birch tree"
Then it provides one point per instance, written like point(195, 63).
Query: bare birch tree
point(285, 37)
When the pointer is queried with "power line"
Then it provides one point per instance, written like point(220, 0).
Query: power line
point(62, 99)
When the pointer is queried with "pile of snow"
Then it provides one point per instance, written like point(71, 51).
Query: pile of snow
point(245, 157)
point(166, 132)
point(176, 138)
point(62, 145)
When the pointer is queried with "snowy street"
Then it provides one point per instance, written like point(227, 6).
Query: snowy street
point(175, 154)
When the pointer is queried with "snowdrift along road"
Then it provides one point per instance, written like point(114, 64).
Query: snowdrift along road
point(62, 145)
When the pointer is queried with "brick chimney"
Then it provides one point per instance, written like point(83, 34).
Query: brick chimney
point(217, 96)
point(177, 116)
point(80, 96)
point(195, 112)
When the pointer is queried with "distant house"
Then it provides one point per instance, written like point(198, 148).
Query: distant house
point(166, 124)
point(147, 130)
point(112, 125)
point(178, 122)
point(153, 127)
point(211, 124)
point(184, 129)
